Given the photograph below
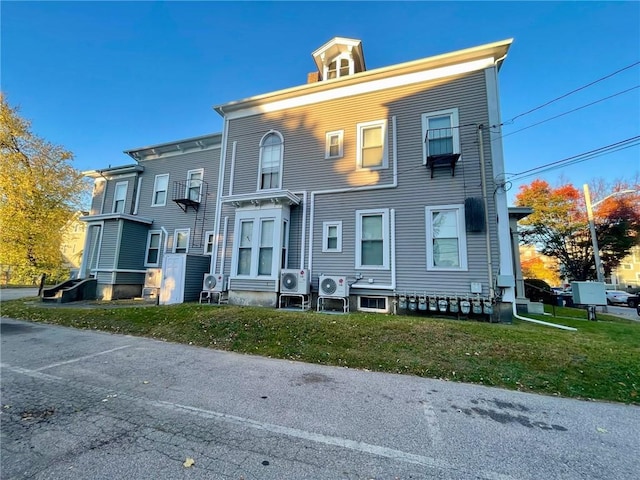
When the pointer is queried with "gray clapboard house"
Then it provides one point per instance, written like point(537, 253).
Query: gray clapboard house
point(155, 213)
point(372, 189)
point(387, 182)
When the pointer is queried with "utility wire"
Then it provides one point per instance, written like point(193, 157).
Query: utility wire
point(607, 149)
point(566, 113)
point(573, 91)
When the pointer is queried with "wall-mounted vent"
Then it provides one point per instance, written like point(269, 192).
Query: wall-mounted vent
point(474, 214)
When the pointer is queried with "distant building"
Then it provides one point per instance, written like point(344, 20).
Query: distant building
point(628, 272)
point(73, 235)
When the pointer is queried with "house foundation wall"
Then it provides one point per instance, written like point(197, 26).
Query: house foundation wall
point(117, 292)
point(253, 299)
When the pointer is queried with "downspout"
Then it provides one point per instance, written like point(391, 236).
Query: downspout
point(540, 322)
point(483, 181)
point(216, 227)
point(304, 231)
point(166, 239)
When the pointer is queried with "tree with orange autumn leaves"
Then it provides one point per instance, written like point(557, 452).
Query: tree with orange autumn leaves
point(558, 226)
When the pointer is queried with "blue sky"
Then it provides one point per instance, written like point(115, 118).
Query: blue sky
point(103, 77)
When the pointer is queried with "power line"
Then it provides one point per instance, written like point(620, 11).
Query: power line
point(573, 91)
point(607, 149)
point(567, 112)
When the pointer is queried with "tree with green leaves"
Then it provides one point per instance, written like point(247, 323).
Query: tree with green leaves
point(39, 192)
point(558, 226)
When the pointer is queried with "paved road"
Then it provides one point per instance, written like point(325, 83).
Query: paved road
point(90, 405)
point(15, 293)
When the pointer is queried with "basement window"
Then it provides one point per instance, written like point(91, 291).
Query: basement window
point(373, 304)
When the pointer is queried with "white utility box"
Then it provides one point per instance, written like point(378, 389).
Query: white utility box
point(588, 293)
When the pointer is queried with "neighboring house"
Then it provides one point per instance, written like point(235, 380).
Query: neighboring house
point(537, 265)
point(628, 272)
point(73, 236)
point(389, 181)
point(163, 204)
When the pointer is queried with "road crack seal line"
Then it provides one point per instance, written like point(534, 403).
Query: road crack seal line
point(248, 423)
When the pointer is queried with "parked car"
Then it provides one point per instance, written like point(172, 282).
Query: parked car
point(638, 309)
point(633, 301)
point(617, 297)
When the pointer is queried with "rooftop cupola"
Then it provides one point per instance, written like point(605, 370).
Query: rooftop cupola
point(338, 58)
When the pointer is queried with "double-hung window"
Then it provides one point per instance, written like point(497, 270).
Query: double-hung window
point(261, 244)
point(194, 185)
point(208, 243)
point(332, 237)
point(333, 142)
point(271, 150)
point(372, 145)
point(154, 239)
point(372, 239)
point(181, 240)
point(446, 238)
point(160, 187)
point(440, 133)
point(119, 197)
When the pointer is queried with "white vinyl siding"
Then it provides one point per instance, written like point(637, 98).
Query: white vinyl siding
point(120, 197)
point(372, 239)
point(160, 188)
point(332, 237)
point(372, 145)
point(334, 144)
point(181, 240)
point(446, 238)
point(152, 255)
point(440, 133)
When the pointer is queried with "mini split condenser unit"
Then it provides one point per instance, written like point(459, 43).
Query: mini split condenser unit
point(334, 286)
point(295, 282)
point(215, 282)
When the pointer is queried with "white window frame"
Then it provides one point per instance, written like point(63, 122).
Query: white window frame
point(146, 251)
point(376, 310)
point(156, 190)
point(258, 217)
point(325, 236)
point(123, 197)
point(175, 239)
point(328, 137)
point(462, 237)
point(385, 147)
point(452, 113)
point(279, 186)
point(343, 56)
point(209, 238)
point(360, 214)
point(187, 193)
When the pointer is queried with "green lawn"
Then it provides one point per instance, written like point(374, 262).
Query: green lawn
point(599, 361)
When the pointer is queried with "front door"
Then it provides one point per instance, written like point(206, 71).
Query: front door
point(172, 289)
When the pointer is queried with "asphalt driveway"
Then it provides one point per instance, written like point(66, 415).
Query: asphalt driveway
point(83, 404)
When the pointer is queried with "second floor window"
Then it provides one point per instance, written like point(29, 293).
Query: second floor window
point(333, 145)
point(270, 161)
point(372, 148)
point(440, 131)
point(181, 241)
point(119, 197)
point(194, 185)
point(160, 187)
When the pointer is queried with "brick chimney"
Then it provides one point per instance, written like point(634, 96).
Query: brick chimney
point(313, 77)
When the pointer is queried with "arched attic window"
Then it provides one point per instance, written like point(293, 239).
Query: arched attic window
point(271, 149)
point(340, 67)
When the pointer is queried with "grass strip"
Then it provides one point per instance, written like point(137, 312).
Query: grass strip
point(600, 361)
